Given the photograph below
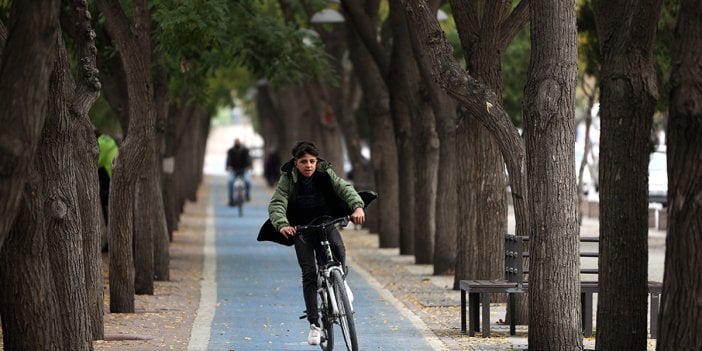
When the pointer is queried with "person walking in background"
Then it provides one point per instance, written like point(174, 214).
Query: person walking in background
point(238, 165)
point(108, 151)
point(307, 189)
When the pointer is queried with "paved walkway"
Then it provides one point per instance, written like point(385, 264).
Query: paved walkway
point(252, 294)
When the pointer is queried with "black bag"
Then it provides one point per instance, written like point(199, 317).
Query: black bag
point(268, 232)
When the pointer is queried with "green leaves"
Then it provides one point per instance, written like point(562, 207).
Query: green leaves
point(198, 40)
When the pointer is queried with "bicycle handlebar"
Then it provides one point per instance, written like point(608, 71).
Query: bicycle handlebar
point(341, 221)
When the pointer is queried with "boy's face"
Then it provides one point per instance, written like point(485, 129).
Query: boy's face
point(306, 165)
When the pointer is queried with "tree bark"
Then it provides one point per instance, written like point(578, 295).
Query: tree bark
point(25, 65)
point(28, 301)
point(628, 98)
point(445, 247)
point(131, 166)
point(62, 217)
point(554, 291)
point(479, 25)
point(85, 154)
point(425, 149)
point(681, 312)
point(401, 103)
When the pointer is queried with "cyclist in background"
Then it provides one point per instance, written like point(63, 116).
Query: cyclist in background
point(238, 165)
point(307, 189)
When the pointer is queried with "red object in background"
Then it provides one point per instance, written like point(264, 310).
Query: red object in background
point(328, 117)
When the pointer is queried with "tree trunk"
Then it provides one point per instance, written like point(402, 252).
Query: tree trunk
point(273, 125)
point(327, 100)
point(437, 240)
point(62, 217)
point(401, 102)
point(384, 154)
point(425, 148)
point(28, 302)
point(85, 154)
point(445, 247)
point(467, 203)
point(25, 65)
point(554, 291)
point(479, 26)
point(131, 166)
point(627, 103)
point(324, 118)
point(681, 312)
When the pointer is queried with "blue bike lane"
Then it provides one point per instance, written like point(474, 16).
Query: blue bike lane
point(252, 293)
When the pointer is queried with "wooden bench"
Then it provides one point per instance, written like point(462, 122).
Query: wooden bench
point(514, 283)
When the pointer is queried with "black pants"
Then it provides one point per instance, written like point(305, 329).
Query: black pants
point(306, 250)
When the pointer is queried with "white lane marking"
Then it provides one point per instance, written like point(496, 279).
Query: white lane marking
point(200, 334)
point(424, 330)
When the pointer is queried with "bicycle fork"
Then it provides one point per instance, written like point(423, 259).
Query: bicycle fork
point(330, 289)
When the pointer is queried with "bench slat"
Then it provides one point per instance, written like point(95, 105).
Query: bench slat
point(582, 254)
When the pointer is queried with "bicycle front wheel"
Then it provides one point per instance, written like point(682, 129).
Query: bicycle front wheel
point(348, 327)
point(327, 343)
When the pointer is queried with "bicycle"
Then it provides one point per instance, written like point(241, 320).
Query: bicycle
point(335, 305)
point(238, 197)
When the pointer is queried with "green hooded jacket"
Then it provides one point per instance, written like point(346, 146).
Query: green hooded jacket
point(345, 199)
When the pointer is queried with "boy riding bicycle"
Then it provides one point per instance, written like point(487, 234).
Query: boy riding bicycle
point(307, 189)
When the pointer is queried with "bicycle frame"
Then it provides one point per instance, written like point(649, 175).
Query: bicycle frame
point(331, 264)
point(330, 279)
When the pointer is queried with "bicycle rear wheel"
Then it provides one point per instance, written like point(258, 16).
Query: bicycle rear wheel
point(348, 327)
point(240, 201)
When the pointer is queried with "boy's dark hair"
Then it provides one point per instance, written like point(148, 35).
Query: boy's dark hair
point(304, 147)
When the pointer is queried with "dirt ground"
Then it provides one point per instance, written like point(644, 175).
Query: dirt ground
point(163, 321)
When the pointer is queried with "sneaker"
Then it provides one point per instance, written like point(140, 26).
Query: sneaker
point(315, 335)
point(349, 293)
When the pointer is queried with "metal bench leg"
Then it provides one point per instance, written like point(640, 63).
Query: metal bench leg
point(655, 301)
point(485, 297)
point(473, 313)
point(463, 311)
point(586, 304)
point(510, 305)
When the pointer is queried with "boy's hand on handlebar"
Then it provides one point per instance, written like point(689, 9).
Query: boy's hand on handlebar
point(358, 216)
point(287, 231)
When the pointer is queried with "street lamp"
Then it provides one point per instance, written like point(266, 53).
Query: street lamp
point(327, 16)
point(441, 15)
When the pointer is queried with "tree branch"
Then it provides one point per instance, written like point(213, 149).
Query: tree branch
point(514, 23)
point(363, 25)
point(88, 84)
